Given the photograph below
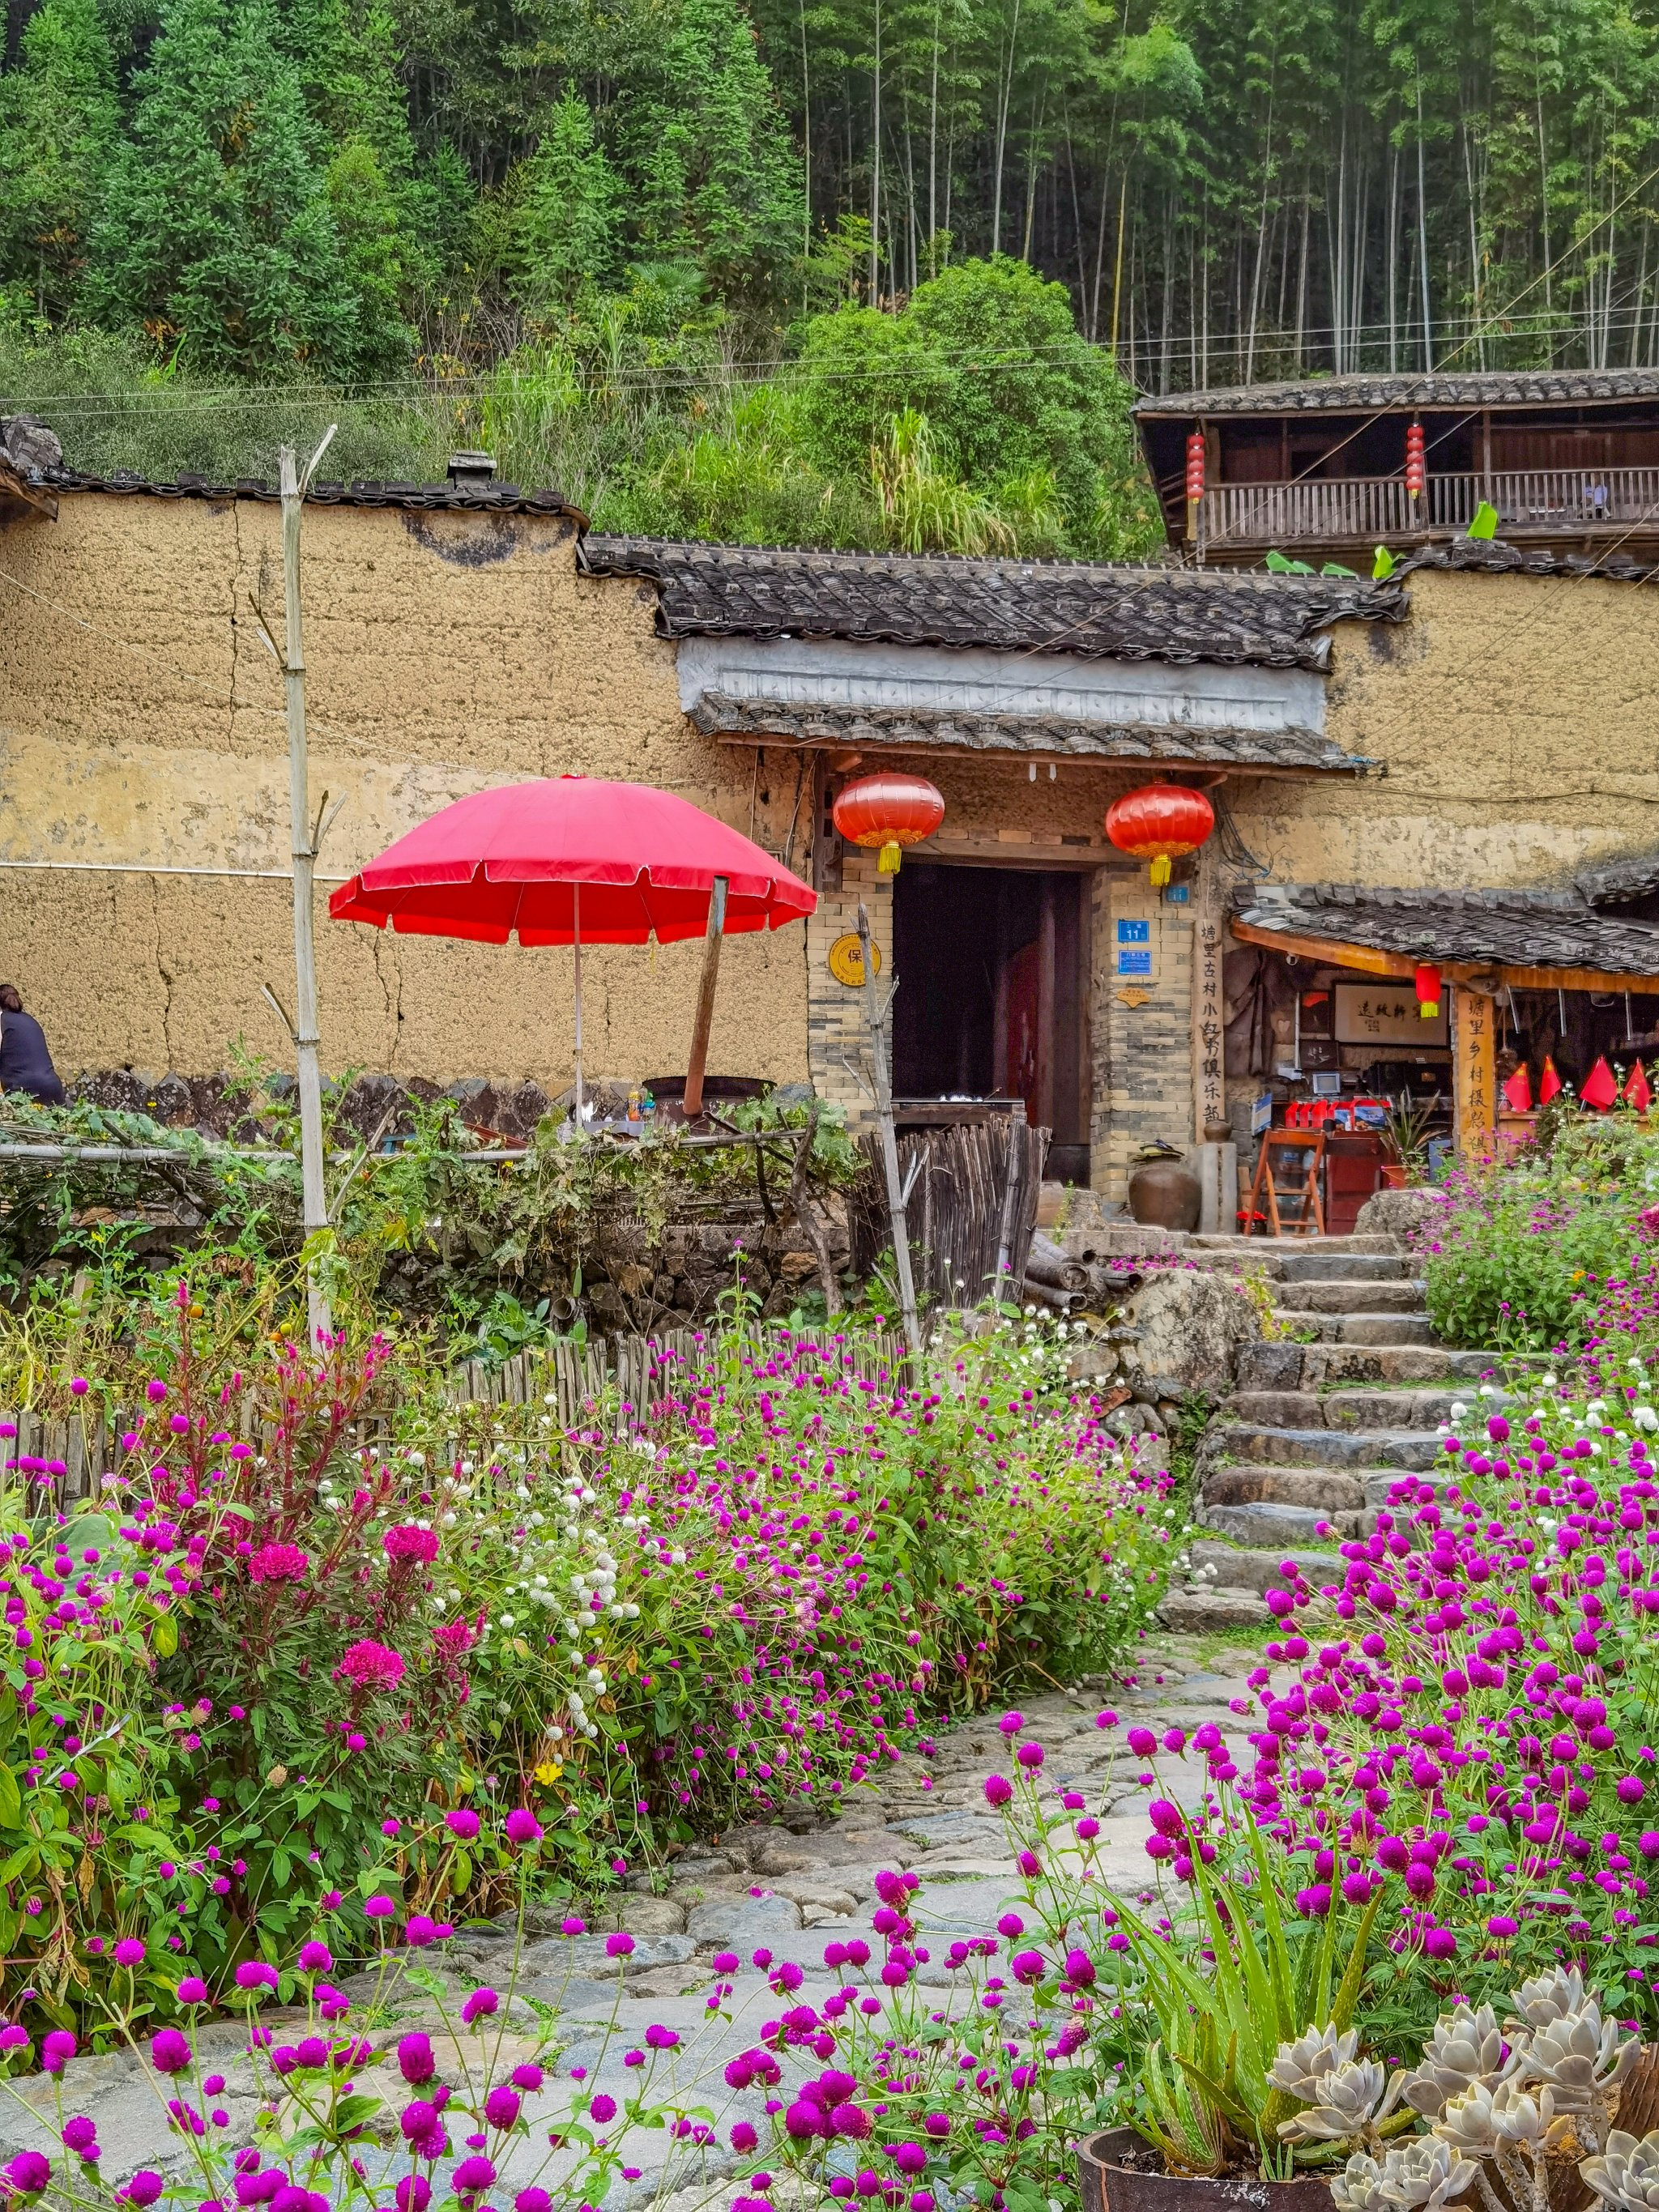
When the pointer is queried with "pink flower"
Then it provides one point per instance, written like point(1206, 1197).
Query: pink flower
point(462, 1824)
point(278, 1562)
point(523, 1826)
point(409, 1542)
point(372, 1666)
point(169, 2051)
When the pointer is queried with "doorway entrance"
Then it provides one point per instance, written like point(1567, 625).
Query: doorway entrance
point(993, 1000)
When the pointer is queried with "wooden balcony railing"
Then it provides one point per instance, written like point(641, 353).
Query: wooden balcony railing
point(1362, 509)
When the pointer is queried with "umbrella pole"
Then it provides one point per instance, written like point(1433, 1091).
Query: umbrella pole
point(697, 1067)
point(576, 947)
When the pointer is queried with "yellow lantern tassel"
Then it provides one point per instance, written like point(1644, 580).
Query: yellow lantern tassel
point(887, 863)
point(1160, 872)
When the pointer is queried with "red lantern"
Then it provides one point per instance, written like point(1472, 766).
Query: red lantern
point(1160, 823)
point(1428, 990)
point(1417, 471)
point(1195, 465)
point(891, 811)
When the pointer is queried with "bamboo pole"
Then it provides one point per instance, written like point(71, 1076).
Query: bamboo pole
point(877, 1022)
point(697, 1067)
point(321, 1321)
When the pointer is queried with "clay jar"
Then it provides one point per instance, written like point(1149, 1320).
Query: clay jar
point(1105, 2186)
point(1165, 1195)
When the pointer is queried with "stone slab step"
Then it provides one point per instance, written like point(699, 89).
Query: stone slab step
point(1267, 1446)
point(1367, 1328)
point(1327, 1489)
point(1203, 1611)
point(1344, 1295)
point(1408, 1405)
point(1225, 1566)
point(1341, 1266)
point(1421, 1364)
point(1288, 1526)
point(1272, 1246)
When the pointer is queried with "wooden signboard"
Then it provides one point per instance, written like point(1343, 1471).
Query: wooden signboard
point(1474, 1072)
point(1385, 1013)
point(1209, 1087)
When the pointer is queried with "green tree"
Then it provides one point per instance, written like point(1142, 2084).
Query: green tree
point(217, 232)
point(59, 122)
point(722, 180)
point(566, 223)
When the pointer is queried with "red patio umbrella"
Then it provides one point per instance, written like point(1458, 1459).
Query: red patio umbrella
point(573, 859)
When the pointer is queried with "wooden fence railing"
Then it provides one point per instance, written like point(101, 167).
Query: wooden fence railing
point(635, 1379)
point(1351, 509)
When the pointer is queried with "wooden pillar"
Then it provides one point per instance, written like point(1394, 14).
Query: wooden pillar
point(1474, 1072)
point(1046, 1024)
point(1209, 1081)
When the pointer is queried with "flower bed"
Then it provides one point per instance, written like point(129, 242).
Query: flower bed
point(254, 1678)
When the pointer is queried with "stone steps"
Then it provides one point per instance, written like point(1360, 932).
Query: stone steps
point(1326, 1419)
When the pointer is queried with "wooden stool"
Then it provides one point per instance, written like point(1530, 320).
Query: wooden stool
point(1293, 1191)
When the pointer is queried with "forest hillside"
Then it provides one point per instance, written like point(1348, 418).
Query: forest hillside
point(882, 272)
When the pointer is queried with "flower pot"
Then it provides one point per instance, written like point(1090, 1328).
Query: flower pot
point(1394, 1175)
point(1106, 2186)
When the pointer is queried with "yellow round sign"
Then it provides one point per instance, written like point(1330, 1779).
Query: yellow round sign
point(847, 960)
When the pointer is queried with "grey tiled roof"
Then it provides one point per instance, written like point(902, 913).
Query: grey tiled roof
point(1101, 609)
point(1355, 395)
point(926, 730)
point(492, 499)
point(1505, 929)
point(1630, 876)
point(1493, 556)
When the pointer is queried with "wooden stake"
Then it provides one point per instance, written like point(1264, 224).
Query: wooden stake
point(697, 1065)
point(305, 859)
point(877, 1023)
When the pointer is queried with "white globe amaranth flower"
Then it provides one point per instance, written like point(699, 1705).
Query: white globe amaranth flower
point(1466, 2047)
point(1626, 2174)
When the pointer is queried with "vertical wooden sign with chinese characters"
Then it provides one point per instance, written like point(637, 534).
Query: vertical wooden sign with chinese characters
point(1209, 1085)
point(1474, 1072)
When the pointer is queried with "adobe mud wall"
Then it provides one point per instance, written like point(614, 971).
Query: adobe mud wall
point(141, 725)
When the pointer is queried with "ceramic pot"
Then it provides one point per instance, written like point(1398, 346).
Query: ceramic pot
point(1105, 2186)
point(1394, 1175)
point(1165, 1195)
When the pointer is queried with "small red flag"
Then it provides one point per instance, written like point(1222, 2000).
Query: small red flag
point(1548, 1083)
point(1517, 1091)
point(1637, 1092)
point(1599, 1089)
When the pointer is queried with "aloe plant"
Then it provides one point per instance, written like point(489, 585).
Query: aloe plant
point(1207, 2086)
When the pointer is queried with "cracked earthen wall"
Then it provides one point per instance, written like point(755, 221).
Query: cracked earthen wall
point(1514, 716)
point(141, 722)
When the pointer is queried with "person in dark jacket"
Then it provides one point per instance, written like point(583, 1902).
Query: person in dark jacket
point(25, 1062)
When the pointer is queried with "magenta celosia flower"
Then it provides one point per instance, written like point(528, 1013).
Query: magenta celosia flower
point(410, 1542)
point(372, 1666)
point(278, 1562)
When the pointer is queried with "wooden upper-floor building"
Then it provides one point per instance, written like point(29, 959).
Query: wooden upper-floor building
point(1317, 469)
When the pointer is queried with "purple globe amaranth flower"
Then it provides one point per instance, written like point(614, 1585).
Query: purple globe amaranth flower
point(129, 1952)
point(523, 1826)
point(532, 2200)
point(145, 2187)
point(419, 1931)
point(473, 2176)
point(315, 1958)
point(602, 2108)
point(619, 1944)
point(998, 1790)
point(463, 1823)
point(502, 2106)
point(169, 2051)
point(1079, 1968)
point(413, 2194)
point(743, 2138)
point(480, 2005)
point(254, 1974)
point(57, 2049)
point(416, 2062)
point(29, 2173)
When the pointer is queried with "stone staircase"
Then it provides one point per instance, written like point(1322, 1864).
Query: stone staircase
point(1322, 1420)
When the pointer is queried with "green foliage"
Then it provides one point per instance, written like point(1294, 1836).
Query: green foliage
point(1522, 1255)
point(218, 235)
point(567, 219)
point(58, 121)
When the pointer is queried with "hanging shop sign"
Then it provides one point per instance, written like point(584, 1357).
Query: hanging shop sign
point(1386, 1013)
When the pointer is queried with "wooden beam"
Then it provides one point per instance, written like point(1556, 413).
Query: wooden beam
point(697, 1059)
point(1337, 952)
point(14, 486)
point(891, 748)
